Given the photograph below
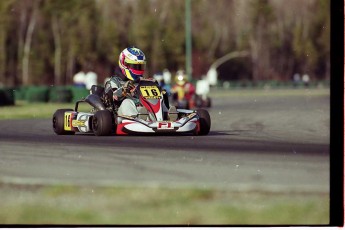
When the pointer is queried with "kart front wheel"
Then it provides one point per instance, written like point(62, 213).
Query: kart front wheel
point(58, 122)
point(205, 121)
point(102, 123)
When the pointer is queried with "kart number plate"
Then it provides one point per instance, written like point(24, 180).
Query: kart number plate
point(150, 92)
point(165, 125)
point(67, 122)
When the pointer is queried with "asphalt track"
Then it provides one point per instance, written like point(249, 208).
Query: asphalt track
point(256, 142)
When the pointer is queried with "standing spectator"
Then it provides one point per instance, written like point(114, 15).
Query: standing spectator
point(79, 79)
point(305, 80)
point(90, 79)
point(296, 79)
point(167, 76)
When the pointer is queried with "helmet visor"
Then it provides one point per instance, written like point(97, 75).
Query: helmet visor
point(139, 67)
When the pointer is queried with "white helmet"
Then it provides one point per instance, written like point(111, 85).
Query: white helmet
point(132, 63)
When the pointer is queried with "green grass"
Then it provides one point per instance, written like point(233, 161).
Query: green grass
point(87, 205)
point(26, 110)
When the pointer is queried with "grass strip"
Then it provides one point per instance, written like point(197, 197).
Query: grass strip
point(89, 205)
point(26, 110)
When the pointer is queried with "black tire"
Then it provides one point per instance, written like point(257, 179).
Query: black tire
point(102, 123)
point(7, 97)
point(205, 121)
point(198, 101)
point(208, 102)
point(58, 122)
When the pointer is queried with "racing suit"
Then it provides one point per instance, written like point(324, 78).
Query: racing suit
point(114, 90)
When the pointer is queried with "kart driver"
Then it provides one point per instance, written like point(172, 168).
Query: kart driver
point(131, 68)
point(119, 90)
point(182, 88)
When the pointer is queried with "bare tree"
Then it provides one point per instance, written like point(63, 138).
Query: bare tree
point(57, 55)
point(27, 42)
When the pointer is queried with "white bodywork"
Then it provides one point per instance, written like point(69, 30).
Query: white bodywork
point(82, 122)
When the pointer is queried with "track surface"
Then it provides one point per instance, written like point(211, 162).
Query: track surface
point(255, 142)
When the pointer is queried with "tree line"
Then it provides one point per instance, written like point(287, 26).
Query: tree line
point(48, 41)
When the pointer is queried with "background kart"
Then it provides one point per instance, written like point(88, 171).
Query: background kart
point(196, 101)
point(152, 118)
point(199, 99)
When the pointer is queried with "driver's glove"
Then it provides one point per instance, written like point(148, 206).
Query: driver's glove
point(128, 88)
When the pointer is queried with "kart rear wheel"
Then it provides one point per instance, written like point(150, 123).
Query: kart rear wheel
point(198, 101)
point(58, 122)
point(102, 123)
point(208, 102)
point(205, 121)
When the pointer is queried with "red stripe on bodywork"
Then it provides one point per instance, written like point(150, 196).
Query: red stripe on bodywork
point(149, 106)
point(119, 128)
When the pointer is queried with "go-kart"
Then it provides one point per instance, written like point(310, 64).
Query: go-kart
point(103, 120)
point(196, 101)
point(197, 98)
